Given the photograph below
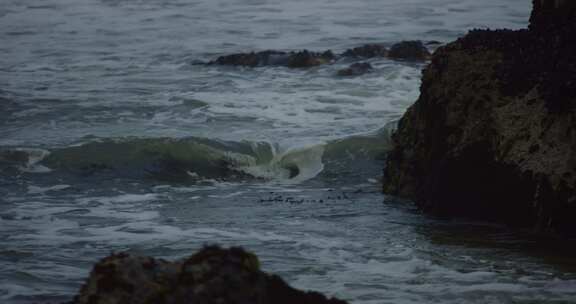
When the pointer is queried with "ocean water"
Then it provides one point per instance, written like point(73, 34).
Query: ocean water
point(114, 136)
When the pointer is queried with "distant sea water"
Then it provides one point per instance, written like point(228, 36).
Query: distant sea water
point(113, 137)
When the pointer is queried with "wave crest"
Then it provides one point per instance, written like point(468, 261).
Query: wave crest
point(195, 159)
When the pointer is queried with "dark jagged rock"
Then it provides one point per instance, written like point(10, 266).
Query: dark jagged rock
point(553, 17)
point(405, 50)
point(300, 59)
point(493, 133)
point(211, 276)
point(367, 51)
point(409, 50)
point(253, 59)
point(356, 69)
point(305, 59)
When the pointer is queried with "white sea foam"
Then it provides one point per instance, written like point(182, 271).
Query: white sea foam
point(293, 165)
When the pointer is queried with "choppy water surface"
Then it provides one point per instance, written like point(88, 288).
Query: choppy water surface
point(112, 138)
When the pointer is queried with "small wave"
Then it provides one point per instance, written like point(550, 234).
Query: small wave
point(194, 159)
point(185, 159)
point(293, 165)
point(358, 157)
point(23, 159)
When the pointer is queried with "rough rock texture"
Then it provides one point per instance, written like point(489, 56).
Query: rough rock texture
point(405, 50)
point(493, 133)
point(367, 51)
point(356, 69)
point(409, 50)
point(211, 276)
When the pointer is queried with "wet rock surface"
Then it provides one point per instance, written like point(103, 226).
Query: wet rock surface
point(405, 50)
point(492, 135)
point(299, 59)
point(409, 50)
point(367, 51)
point(213, 275)
point(356, 69)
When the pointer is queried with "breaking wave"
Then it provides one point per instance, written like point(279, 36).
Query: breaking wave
point(194, 159)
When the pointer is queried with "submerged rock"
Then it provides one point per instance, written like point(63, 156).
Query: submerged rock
point(367, 51)
point(213, 275)
point(299, 59)
point(493, 133)
point(409, 50)
point(356, 69)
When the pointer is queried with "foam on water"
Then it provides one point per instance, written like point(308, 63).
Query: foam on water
point(294, 165)
point(344, 246)
point(84, 82)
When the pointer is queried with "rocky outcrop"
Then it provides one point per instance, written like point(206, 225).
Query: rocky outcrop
point(409, 50)
point(213, 275)
point(367, 51)
point(405, 50)
point(356, 69)
point(493, 133)
point(414, 50)
point(300, 59)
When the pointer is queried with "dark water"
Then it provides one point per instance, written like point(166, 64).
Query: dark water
point(111, 138)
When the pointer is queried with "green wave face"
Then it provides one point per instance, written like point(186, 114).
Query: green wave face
point(186, 159)
point(199, 159)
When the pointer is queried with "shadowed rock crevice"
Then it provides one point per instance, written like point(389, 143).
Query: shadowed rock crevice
point(492, 134)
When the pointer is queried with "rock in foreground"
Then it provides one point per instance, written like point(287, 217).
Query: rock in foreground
point(493, 133)
point(213, 275)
